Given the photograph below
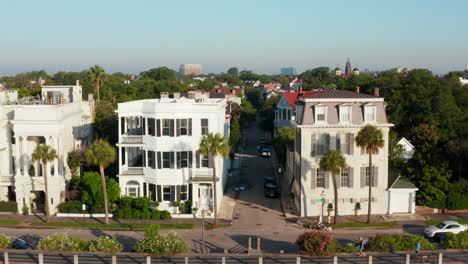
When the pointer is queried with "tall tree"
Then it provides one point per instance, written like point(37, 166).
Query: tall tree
point(333, 161)
point(96, 74)
point(370, 138)
point(214, 145)
point(160, 74)
point(102, 154)
point(75, 159)
point(45, 154)
point(233, 71)
point(235, 135)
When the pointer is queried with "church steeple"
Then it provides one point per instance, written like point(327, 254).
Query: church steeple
point(348, 69)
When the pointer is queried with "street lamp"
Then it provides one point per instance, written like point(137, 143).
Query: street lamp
point(203, 230)
point(323, 203)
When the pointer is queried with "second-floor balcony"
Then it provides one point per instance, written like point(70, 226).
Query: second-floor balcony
point(132, 171)
point(131, 139)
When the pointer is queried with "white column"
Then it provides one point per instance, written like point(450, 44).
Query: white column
point(24, 147)
point(147, 189)
point(125, 125)
point(56, 166)
point(126, 157)
point(141, 194)
point(49, 167)
point(120, 159)
point(17, 156)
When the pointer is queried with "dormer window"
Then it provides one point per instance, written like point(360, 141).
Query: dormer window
point(345, 114)
point(320, 113)
point(369, 113)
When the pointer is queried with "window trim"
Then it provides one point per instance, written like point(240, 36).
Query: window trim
point(341, 110)
point(204, 127)
point(316, 108)
point(322, 177)
point(345, 171)
point(374, 110)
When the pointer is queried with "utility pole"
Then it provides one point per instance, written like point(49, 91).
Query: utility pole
point(203, 230)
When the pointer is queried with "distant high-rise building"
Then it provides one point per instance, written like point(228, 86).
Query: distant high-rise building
point(288, 71)
point(190, 69)
point(348, 69)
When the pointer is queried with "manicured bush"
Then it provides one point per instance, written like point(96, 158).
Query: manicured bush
point(141, 203)
point(5, 241)
point(105, 244)
point(61, 242)
point(458, 241)
point(317, 243)
point(138, 208)
point(457, 201)
point(70, 207)
point(152, 231)
point(165, 215)
point(163, 245)
point(347, 248)
point(398, 242)
point(8, 206)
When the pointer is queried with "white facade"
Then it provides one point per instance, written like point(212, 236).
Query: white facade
point(331, 120)
point(59, 119)
point(158, 143)
point(190, 69)
point(408, 147)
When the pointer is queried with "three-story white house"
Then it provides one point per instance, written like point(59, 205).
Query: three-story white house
point(158, 149)
point(331, 120)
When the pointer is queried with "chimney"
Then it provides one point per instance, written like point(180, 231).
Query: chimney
point(77, 83)
point(357, 88)
point(377, 92)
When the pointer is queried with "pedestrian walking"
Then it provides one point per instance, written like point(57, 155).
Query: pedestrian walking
point(418, 247)
point(360, 246)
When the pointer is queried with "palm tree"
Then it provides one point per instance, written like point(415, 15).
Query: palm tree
point(214, 145)
point(96, 75)
point(101, 154)
point(370, 138)
point(333, 161)
point(45, 154)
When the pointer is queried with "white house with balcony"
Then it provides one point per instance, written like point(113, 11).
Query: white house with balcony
point(158, 150)
point(331, 120)
point(59, 118)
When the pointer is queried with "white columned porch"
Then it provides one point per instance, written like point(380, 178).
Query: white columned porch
point(17, 156)
point(24, 151)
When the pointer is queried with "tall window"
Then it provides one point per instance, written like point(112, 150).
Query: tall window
point(151, 159)
point(182, 159)
point(345, 114)
point(345, 177)
point(367, 175)
point(369, 113)
point(151, 127)
point(183, 192)
point(184, 127)
point(166, 193)
point(166, 160)
point(166, 127)
point(323, 144)
point(320, 114)
point(204, 126)
point(320, 178)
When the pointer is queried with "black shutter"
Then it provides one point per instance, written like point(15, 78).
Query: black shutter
point(143, 121)
point(144, 158)
point(178, 192)
point(173, 193)
point(171, 155)
point(197, 159)
point(190, 192)
point(190, 158)
point(123, 156)
point(158, 192)
point(122, 125)
point(145, 194)
point(178, 127)
point(178, 159)
point(158, 127)
point(171, 127)
point(159, 160)
point(190, 126)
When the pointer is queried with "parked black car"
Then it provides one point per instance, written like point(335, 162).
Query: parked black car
point(271, 190)
point(270, 179)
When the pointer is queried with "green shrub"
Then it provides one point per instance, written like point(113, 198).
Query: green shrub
point(347, 248)
point(398, 242)
point(70, 207)
point(457, 201)
point(165, 215)
point(8, 206)
point(162, 244)
point(458, 241)
point(152, 231)
point(317, 243)
point(61, 242)
point(5, 242)
point(141, 203)
point(105, 244)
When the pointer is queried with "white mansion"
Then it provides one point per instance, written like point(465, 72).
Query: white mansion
point(59, 118)
point(331, 120)
point(158, 143)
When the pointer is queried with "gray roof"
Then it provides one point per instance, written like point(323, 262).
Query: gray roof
point(402, 183)
point(338, 94)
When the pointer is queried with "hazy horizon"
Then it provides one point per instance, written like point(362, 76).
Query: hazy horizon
point(262, 36)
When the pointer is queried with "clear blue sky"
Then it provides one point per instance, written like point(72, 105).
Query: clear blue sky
point(262, 35)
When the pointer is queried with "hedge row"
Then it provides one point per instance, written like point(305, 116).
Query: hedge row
point(8, 206)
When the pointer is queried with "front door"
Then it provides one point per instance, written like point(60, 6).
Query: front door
point(204, 196)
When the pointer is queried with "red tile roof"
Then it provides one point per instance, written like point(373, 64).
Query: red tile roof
point(294, 96)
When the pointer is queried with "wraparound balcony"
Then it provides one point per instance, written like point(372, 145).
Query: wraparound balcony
point(132, 139)
point(132, 171)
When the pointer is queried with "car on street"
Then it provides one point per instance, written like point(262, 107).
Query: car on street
point(270, 179)
point(266, 152)
point(240, 187)
point(271, 190)
point(443, 228)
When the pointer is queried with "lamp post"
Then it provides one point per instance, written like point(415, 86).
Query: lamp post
point(323, 203)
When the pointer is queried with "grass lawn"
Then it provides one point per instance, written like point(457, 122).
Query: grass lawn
point(111, 225)
point(10, 222)
point(361, 224)
point(435, 222)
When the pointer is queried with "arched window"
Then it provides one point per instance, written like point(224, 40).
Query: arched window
point(132, 188)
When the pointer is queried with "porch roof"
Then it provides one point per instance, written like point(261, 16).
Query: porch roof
point(202, 178)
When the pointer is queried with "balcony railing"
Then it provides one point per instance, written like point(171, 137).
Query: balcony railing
point(133, 171)
point(132, 139)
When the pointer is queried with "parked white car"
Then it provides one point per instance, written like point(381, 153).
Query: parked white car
point(444, 227)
